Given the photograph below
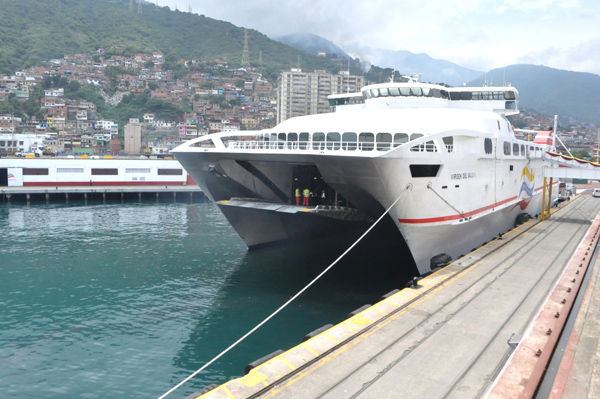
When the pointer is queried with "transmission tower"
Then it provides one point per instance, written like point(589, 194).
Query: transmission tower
point(245, 52)
point(131, 5)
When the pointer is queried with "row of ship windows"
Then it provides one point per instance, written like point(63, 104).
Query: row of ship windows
point(99, 171)
point(437, 93)
point(348, 141)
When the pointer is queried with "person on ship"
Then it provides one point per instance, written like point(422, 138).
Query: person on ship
point(306, 194)
point(297, 196)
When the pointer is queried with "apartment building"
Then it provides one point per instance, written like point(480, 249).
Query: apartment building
point(305, 93)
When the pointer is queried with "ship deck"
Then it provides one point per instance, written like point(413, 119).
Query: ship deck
point(448, 336)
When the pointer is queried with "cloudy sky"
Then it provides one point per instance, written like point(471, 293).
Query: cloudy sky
point(477, 34)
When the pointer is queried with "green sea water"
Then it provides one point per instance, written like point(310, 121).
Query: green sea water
point(126, 300)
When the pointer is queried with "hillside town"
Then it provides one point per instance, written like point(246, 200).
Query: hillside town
point(212, 97)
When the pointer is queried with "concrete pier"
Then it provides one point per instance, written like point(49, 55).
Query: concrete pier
point(452, 335)
point(62, 194)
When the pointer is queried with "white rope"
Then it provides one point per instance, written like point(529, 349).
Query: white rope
point(285, 304)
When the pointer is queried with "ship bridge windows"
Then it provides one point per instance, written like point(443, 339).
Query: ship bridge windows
point(506, 147)
point(394, 91)
point(405, 91)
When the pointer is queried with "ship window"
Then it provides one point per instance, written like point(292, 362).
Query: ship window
point(405, 91)
point(349, 141)
point(366, 94)
point(488, 145)
point(476, 95)
point(374, 93)
point(394, 91)
point(170, 172)
point(522, 149)
point(498, 95)
point(424, 170)
point(400, 138)
point(292, 141)
point(509, 95)
point(465, 95)
point(383, 92)
point(415, 136)
point(416, 91)
point(204, 144)
point(384, 141)
point(35, 171)
point(449, 143)
point(365, 141)
point(134, 170)
point(444, 94)
point(281, 141)
point(319, 141)
point(304, 141)
point(273, 141)
point(436, 93)
point(454, 95)
point(486, 95)
point(333, 141)
point(426, 92)
point(105, 171)
point(515, 149)
point(506, 148)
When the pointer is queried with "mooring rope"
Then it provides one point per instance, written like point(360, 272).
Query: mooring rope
point(288, 301)
point(467, 219)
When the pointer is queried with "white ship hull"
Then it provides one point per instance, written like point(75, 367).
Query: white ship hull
point(460, 182)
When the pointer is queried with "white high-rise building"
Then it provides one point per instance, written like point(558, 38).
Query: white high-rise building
point(133, 137)
point(305, 93)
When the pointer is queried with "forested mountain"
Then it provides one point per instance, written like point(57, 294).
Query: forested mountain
point(34, 30)
point(573, 96)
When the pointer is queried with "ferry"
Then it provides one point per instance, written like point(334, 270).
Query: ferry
point(443, 162)
point(40, 172)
